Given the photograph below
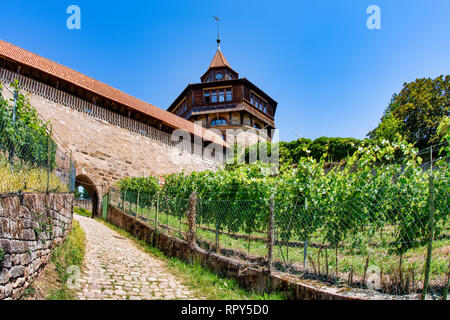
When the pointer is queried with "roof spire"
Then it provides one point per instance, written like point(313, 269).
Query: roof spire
point(218, 34)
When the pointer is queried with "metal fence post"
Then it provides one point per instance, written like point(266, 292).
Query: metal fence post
point(305, 254)
point(271, 235)
point(157, 211)
point(70, 172)
point(49, 151)
point(125, 202)
point(167, 218)
point(217, 233)
point(430, 236)
point(137, 205)
point(11, 153)
point(305, 247)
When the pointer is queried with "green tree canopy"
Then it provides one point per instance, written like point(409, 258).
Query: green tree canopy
point(416, 112)
point(334, 149)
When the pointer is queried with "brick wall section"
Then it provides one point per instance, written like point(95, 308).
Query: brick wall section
point(25, 244)
point(248, 277)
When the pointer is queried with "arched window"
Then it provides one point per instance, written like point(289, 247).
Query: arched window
point(218, 122)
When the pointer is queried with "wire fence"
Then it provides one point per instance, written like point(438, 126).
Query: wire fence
point(30, 158)
point(396, 245)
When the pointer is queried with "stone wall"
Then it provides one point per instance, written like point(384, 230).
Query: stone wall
point(250, 278)
point(30, 226)
point(104, 153)
point(108, 152)
point(83, 203)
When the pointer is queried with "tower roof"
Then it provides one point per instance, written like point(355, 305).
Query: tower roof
point(219, 60)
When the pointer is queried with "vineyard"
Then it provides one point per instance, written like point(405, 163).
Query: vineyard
point(377, 221)
point(30, 160)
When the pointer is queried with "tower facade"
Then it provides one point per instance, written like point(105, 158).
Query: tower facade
point(238, 109)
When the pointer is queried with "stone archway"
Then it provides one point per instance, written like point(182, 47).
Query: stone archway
point(90, 187)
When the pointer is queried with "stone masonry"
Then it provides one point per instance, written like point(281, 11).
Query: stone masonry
point(115, 269)
point(104, 153)
point(30, 226)
point(107, 152)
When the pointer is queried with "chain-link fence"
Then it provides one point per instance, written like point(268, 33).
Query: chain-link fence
point(381, 244)
point(30, 158)
point(395, 245)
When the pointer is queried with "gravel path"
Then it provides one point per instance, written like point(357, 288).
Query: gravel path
point(115, 268)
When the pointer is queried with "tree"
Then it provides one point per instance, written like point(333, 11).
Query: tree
point(77, 193)
point(388, 129)
point(85, 194)
point(416, 112)
point(335, 149)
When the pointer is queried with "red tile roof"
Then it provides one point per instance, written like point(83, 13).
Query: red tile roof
point(32, 60)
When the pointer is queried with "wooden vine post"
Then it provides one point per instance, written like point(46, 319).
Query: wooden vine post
point(137, 205)
point(191, 219)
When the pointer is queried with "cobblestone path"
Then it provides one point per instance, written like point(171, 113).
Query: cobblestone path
point(116, 269)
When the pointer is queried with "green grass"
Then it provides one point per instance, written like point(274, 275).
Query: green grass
point(82, 212)
point(205, 283)
point(351, 258)
point(69, 253)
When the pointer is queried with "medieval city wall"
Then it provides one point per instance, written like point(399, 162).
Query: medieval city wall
point(105, 153)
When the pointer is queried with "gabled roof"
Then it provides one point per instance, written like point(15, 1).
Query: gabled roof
point(19, 55)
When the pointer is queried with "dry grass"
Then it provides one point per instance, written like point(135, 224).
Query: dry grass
point(27, 179)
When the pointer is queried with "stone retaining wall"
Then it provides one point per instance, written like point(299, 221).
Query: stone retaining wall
point(250, 278)
point(83, 203)
point(30, 226)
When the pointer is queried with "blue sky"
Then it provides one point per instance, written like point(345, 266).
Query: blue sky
point(330, 74)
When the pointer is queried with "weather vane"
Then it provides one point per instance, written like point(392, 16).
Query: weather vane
point(218, 35)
